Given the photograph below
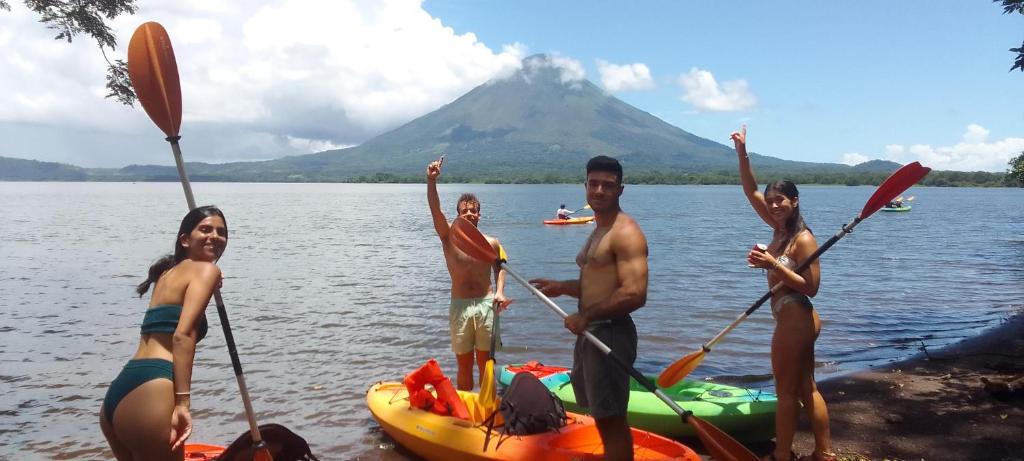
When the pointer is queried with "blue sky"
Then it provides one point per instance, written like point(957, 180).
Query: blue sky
point(814, 81)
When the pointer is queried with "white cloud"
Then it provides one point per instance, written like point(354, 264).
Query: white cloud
point(701, 90)
point(854, 159)
point(615, 77)
point(974, 153)
point(313, 145)
point(976, 134)
point(329, 73)
point(572, 69)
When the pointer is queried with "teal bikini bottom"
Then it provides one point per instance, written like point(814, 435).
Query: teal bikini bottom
point(136, 373)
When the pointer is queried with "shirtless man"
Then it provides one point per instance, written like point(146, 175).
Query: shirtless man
point(612, 283)
point(471, 312)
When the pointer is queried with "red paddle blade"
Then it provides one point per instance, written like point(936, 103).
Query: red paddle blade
point(894, 185)
point(154, 74)
point(719, 444)
point(678, 370)
point(468, 238)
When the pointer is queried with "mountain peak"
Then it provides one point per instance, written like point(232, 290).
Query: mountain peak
point(544, 68)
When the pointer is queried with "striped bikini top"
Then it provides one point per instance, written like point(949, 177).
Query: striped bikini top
point(164, 319)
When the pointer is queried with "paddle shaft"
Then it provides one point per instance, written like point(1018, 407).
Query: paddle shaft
point(802, 267)
point(494, 331)
point(222, 311)
point(640, 378)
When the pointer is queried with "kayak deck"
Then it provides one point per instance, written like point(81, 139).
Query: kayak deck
point(436, 437)
point(746, 414)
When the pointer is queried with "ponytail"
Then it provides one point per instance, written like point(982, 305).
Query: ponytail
point(155, 271)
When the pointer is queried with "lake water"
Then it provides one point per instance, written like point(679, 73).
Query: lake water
point(332, 287)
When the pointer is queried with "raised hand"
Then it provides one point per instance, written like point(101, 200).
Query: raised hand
point(739, 139)
point(434, 169)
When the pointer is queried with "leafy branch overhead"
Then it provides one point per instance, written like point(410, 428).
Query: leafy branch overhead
point(1010, 7)
point(71, 18)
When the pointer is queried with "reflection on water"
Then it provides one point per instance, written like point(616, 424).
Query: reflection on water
point(332, 287)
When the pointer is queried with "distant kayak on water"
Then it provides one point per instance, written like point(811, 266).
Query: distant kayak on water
point(563, 222)
point(898, 204)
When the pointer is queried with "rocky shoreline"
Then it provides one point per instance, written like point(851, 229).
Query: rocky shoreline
point(933, 406)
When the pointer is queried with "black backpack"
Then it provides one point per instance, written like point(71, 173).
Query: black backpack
point(528, 407)
point(284, 445)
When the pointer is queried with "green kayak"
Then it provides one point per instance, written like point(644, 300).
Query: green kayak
point(898, 208)
point(746, 414)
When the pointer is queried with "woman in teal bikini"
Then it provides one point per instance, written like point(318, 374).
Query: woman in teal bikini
point(145, 415)
point(797, 324)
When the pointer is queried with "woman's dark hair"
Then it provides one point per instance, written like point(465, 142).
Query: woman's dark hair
point(188, 223)
point(795, 224)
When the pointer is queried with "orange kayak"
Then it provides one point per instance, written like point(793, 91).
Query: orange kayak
point(202, 452)
point(562, 222)
point(442, 438)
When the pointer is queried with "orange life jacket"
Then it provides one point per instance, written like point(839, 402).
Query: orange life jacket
point(447, 401)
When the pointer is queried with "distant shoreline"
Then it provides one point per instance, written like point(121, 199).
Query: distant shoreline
point(420, 181)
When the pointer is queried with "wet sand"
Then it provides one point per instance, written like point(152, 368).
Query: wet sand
point(933, 406)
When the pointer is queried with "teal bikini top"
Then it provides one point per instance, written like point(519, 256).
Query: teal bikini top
point(164, 319)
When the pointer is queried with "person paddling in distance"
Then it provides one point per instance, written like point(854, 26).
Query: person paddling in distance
point(473, 302)
point(797, 323)
point(612, 283)
point(563, 213)
point(146, 412)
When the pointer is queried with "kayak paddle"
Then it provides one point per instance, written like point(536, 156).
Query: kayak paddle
point(899, 181)
point(154, 74)
point(469, 240)
point(585, 207)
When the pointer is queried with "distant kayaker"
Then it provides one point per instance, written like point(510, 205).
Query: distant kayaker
point(146, 412)
point(471, 311)
point(612, 283)
point(796, 322)
point(563, 213)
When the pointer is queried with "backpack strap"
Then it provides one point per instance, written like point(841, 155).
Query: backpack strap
point(490, 428)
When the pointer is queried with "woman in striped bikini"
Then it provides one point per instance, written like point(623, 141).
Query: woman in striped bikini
point(797, 323)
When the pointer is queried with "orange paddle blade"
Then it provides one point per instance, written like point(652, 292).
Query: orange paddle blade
point(680, 368)
point(468, 238)
point(154, 74)
point(262, 454)
point(721, 446)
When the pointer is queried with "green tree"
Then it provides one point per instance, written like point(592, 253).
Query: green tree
point(1009, 7)
point(73, 17)
point(1015, 174)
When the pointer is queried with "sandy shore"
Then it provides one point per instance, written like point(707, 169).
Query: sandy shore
point(933, 406)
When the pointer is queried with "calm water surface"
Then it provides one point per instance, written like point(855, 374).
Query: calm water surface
point(332, 287)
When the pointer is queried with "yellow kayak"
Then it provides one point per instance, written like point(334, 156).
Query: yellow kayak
point(445, 438)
